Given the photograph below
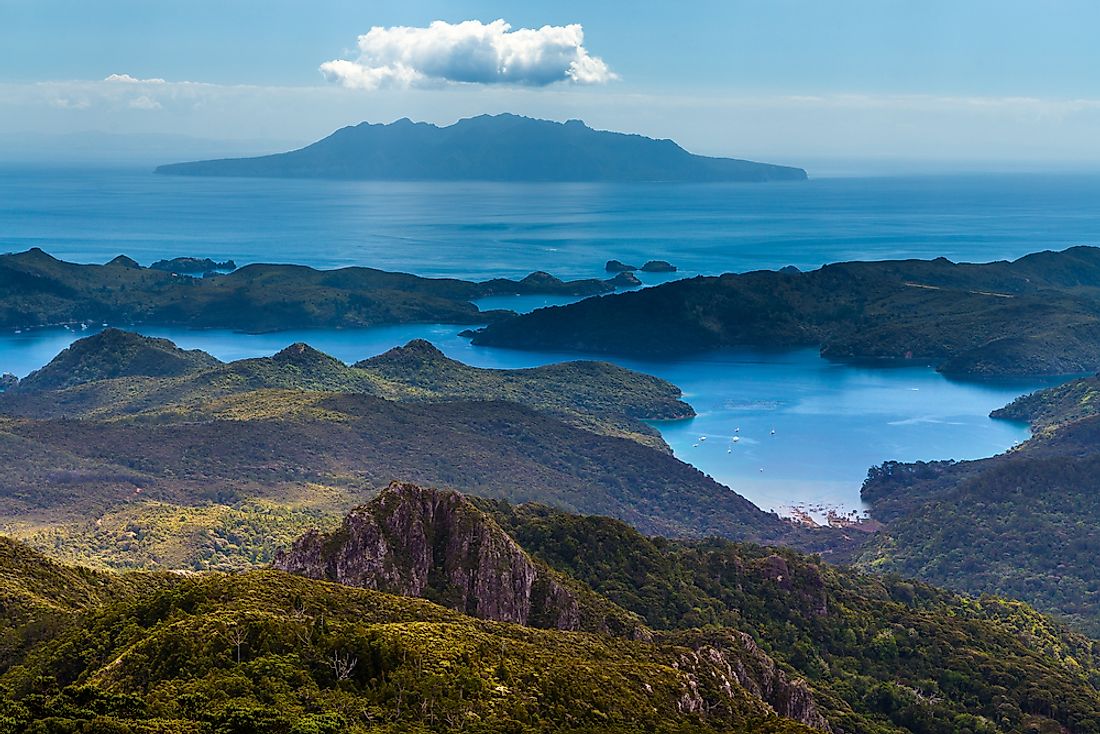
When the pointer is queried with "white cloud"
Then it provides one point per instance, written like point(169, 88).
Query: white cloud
point(470, 52)
point(127, 79)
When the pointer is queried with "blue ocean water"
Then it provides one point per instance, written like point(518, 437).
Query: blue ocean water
point(830, 422)
point(484, 230)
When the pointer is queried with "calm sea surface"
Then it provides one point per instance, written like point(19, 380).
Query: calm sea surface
point(830, 422)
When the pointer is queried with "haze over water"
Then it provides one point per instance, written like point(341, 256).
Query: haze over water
point(831, 422)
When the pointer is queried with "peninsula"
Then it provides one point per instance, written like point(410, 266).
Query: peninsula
point(1038, 315)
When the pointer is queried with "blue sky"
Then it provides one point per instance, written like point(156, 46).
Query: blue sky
point(979, 82)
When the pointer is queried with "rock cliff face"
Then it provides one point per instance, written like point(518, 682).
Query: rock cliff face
point(436, 545)
point(717, 663)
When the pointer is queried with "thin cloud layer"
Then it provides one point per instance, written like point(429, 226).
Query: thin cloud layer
point(470, 52)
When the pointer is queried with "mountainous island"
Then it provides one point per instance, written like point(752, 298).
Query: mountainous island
point(490, 148)
point(1038, 315)
point(37, 289)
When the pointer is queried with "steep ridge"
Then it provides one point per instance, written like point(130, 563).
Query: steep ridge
point(96, 378)
point(211, 469)
point(598, 396)
point(413, 541)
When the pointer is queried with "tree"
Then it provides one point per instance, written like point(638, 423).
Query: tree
point(342, 665)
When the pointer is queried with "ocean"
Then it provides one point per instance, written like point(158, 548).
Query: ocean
point(831, 422)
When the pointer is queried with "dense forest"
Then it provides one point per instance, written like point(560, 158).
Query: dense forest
point(741, 639)
point(1024, 524)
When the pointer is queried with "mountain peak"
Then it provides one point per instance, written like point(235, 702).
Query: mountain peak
point(116, 353)
point(123, 261)
point(418, 352)
point(302, 354)
point(435, 544)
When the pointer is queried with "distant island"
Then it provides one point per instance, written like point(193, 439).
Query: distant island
point(490, 148)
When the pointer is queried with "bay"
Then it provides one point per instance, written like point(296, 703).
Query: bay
point(831, 422)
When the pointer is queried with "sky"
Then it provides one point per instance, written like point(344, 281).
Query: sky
point(969, 84)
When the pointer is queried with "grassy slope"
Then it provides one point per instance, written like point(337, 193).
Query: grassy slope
point(1037, 315)
point(118, 373)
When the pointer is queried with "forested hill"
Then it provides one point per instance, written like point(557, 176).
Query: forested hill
point(1024, 524)
point(544, 622)
point(37, 289)
point(1033, 316)
point(490, 148)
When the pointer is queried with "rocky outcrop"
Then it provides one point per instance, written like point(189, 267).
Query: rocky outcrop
point(436, 545)
point(8, 381)
point(658, 266)
point(718, 663)
point(625, 279)
point(618, 266)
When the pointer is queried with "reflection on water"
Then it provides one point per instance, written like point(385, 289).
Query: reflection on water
point(784, 428)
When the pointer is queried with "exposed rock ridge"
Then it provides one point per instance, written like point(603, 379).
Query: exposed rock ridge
point(717, 662)
point(434, 544)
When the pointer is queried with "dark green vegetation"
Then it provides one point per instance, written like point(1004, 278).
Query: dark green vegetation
point(215, 467)
point(879, 652)
point(193, 265)
point(1037, 315)
point(116, 354)
point(269, 653)
point(490, 148)
point(39, 290)
point(737, 634)
point(1054, 406)
point(1024, 524)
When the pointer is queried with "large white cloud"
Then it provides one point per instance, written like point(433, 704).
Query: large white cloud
point(469, 52)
